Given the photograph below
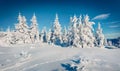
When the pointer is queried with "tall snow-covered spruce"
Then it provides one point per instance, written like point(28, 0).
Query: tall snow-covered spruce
point(34, 32)
point(73, 32)
point(44, 35)
point(64, 37)
point(22, 30)
point(100, 39)
point(9, 36)
point(80, 31)
point(56, 32)
point(88, 36)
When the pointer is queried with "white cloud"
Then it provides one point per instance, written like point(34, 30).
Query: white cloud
point(101, 16)
point(114, 26)
point(113, 22)
point(113, 35)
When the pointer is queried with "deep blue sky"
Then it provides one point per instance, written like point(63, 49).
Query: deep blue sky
point(45, 11)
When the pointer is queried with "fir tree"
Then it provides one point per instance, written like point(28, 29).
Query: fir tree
point(19, 29)
point(100, 36)
point(65, 37)
point(80, 31)
point(49, 36)
point(9, 36)
point(25, 28)
point(73, 39)
point(88, 37)
point(44, 35)
point(34, 29)
point(22, 30)
point(56, 32)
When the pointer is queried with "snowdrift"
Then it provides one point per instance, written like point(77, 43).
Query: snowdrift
point(44, 57)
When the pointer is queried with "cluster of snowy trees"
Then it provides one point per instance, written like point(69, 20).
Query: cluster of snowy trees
point(80, 33)
point(23, 33)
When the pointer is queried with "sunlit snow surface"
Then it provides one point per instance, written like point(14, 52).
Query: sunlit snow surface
point(44, 57)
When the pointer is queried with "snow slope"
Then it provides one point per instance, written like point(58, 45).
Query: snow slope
point(44, 57)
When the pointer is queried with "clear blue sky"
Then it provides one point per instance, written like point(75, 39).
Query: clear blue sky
point(107, 12)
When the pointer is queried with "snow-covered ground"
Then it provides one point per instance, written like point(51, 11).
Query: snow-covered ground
point(44, 57)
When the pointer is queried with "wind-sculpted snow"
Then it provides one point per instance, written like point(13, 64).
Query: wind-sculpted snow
point(44, 57)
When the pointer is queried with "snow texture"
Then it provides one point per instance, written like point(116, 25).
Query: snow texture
point(45, 57)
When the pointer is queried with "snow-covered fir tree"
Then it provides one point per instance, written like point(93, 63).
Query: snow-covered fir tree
point(73, 38)
point(8, 36)
point(49, 36)
point(88, 36)
point(18, 26)
point(26, 37)
point(80, 31)
point(70, 32)
point(56, 31)
point(109, 43)
point(44, 35)
point(100, 36)
point(34, 32)
point(65, 37)
point(19, 29)
point(22, 25)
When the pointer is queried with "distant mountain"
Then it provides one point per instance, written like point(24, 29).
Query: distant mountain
point(115, 42)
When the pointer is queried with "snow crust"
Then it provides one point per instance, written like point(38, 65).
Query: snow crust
point(44, 57)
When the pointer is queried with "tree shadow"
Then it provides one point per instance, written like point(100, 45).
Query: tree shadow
point(76, 61)
point(55, 70)
point(68, 67)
